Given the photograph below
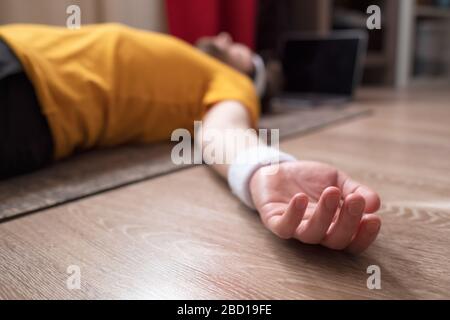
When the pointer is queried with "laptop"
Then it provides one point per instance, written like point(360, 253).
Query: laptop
point(321, 69)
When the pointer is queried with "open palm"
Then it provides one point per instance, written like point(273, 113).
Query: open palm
point(317, 204)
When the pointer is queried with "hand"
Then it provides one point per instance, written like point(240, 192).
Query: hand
point(317, 204)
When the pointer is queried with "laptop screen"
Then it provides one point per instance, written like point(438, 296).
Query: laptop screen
point(321, 65)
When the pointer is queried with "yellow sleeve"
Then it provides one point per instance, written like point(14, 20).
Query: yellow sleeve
point(226, 85)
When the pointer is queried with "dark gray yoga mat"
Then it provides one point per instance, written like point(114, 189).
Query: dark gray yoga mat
point(100, 170)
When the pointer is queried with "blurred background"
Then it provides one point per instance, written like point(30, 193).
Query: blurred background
point(412, 46)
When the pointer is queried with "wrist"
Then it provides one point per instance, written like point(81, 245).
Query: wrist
point(247, 163)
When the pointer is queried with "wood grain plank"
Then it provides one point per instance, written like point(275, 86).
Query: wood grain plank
point(184, 236)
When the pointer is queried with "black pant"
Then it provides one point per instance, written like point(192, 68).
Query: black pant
point(26, 143)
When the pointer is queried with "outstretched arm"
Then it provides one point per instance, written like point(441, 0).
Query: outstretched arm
point(231, 116)
point(309, 201)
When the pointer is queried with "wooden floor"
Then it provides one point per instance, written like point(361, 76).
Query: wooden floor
point(183, 236)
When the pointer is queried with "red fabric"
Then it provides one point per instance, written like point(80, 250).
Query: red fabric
point(192, 19)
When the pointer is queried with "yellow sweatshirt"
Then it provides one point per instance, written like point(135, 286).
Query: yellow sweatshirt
point(104, 85)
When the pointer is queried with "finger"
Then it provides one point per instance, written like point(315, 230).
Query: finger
point(285, 225)
point(349, 186)
point(346, 225)
point(315, 228)
point(367, 233)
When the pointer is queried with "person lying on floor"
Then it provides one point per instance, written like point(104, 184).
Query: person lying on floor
point(64, 91)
